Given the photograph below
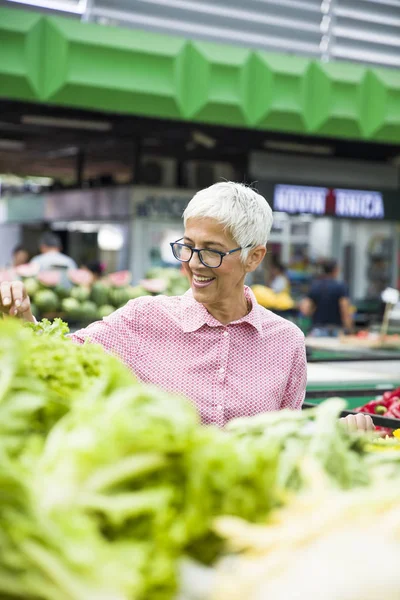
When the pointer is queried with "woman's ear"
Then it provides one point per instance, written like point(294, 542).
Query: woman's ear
point(254, 257)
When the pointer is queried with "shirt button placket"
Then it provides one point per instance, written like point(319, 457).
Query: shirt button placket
point(221, 374)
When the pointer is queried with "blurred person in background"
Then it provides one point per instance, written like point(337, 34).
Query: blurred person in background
point(328, 303)
point(279, 281)
point(20, 256)
point(96, 268)
point(51, 257)
point(214, 344)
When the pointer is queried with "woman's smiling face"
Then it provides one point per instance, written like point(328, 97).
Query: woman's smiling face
point(213, 286)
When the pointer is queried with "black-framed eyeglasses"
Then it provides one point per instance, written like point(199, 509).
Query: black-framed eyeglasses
point(209, 258)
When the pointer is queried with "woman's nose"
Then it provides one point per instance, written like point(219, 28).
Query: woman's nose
point(195, 260)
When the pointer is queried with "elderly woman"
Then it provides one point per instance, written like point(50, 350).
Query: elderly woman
point(214, 344)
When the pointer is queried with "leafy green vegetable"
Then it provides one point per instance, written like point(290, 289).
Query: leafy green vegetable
point(106, 482)
point(314, 432)
point(42, 373)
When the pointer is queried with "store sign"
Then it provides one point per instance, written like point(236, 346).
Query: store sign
point(354, 204)
point(359, 204)
point(295, 199)
point(159, 203)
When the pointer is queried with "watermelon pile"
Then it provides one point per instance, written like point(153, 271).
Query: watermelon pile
point(87, 300)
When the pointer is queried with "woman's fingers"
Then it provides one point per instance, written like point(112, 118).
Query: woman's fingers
point(14, 299)
point(18, 295)
point(359, 422)
point(364, 422)
point(5, 294)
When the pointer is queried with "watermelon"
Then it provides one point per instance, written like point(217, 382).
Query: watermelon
point(105, 310)
point(71, 307)
point(31, 285)
point(156, 273)
point(61, 291)
point(100, 293)
point(46, 301)
point(27, 270)
point(154, 286)
point(136, 291)
point(119, 296)
point(49, 278)
point(89, 311)
point(120, 278)
point(170, 274)
point(80, 293)
point(80, 277)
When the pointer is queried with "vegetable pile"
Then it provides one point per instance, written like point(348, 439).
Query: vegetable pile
point(326, 543)
point(103, 474)
point(387, 405)
point(78, 298)
point(106, 484)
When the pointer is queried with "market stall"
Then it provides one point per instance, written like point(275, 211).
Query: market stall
point(112, 489)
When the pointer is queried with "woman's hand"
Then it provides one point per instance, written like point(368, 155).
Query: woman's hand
point(359, 422)
point(15, 301)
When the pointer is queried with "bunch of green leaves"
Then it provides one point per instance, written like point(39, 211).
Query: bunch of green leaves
point(118, 459)
point(315, 432)
point(42, 373)
point(138, 464)
point(40, 560)
point(226, 475)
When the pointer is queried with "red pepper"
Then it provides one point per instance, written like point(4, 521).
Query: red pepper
point(385, 430)
point(376, 406)
point(388, 396)
point(372, 406)
point(394, 411)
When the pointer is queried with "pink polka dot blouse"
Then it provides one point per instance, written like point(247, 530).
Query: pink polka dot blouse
point(252, 365)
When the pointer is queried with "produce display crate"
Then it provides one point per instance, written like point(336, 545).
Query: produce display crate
point(355, 394)
point(378, 343)
point(317, 355)
point(380, 421)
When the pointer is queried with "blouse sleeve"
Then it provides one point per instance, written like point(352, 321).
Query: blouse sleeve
point(297, 380)
point(119, 333)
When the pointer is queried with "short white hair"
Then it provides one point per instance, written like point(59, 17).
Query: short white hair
point(245, 213)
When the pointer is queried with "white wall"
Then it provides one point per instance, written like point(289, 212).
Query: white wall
point(359, 234)
point(147, 234)
point(10, 236)
point(321, 238)
point(323, 171)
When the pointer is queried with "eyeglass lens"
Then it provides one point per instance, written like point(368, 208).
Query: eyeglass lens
point(208, 257)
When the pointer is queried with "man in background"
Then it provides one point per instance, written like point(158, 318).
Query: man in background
point(52, 259)
point(50, 256)
point(328, 303)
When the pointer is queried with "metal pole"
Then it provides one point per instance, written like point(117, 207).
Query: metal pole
point(80, 167)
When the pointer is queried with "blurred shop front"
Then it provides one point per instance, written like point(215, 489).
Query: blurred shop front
point(347, 210)
point(94, 225)
point(157, 222)
point(123, 227)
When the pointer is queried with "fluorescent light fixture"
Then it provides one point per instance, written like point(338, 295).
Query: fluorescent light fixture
point(76, 8)
point(299, 147)
point(66, 123)
point(110, 238)
point(203, 139)
point(12, 145)
point(63, 152)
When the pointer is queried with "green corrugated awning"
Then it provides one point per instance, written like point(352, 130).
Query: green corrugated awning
point(65, 62)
